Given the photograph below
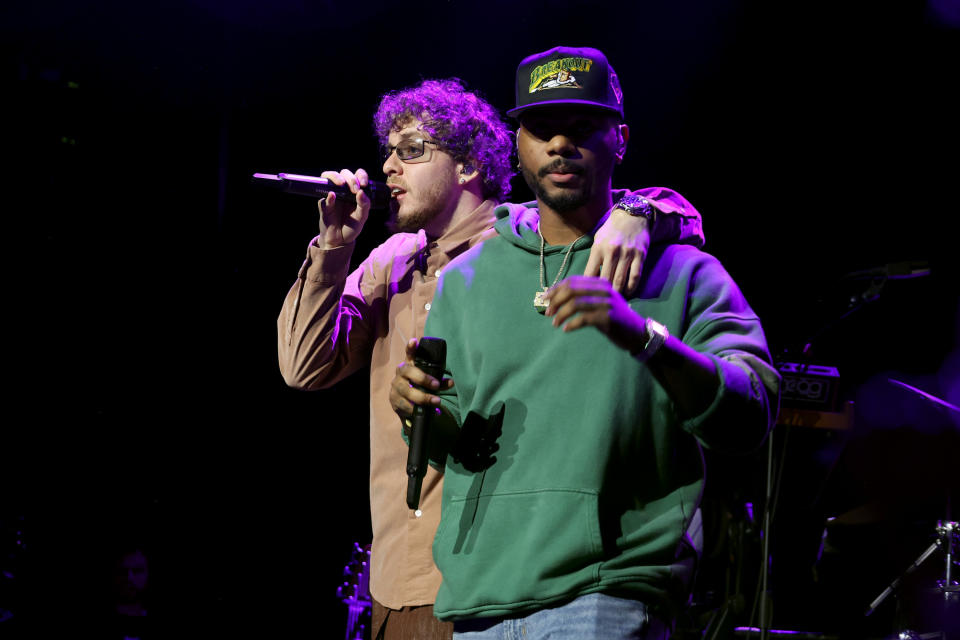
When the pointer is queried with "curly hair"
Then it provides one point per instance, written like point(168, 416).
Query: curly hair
point(464, 124)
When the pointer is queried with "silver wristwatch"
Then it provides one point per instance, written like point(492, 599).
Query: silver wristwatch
point(657, 334)
point(637, 206)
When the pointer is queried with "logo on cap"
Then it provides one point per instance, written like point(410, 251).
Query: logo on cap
point(615, 85)
point(558, 74)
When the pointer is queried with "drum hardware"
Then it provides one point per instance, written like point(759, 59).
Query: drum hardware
point(947, 541)
point(948, 587)
point(811, 398)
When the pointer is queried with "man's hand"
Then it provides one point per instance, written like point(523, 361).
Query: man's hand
point(404, 391)
point(619, 248)
point(341, 221)
point(581, 301)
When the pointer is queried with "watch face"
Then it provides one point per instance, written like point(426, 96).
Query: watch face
point(637, 205)
point(655, 327)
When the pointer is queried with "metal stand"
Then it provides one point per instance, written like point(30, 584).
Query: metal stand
point(772, 486)
point(946, 534)
point(765, 614)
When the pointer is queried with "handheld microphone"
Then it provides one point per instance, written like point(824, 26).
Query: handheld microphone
point(316, 187)
point(430, 356)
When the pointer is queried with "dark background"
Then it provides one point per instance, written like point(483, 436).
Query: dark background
point(145, 273)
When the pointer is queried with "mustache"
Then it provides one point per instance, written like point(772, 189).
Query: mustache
point(560, 165)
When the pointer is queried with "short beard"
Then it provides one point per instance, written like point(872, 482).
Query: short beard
point(412, 222)
point(566, 200)
point(433, 204)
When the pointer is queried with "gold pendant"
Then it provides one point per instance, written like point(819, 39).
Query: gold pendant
point(539, 303)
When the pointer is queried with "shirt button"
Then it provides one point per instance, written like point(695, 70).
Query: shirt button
point(418, 513)
point(427, 306)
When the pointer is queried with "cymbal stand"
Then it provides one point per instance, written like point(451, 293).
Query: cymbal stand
point(946, 534)
point(947, 531)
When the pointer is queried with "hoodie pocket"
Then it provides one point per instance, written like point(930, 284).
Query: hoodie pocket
point(516, 547)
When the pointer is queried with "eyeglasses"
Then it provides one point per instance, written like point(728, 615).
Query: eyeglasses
point(411, 150)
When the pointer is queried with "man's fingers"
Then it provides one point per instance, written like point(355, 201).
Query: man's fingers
point(411, 373)
point(404, 396)
point(350, 179)
point(577, 322)
point(593, 262)
point(363, 205)
point(610, 263)
point(363, 179)
point(415, 396)
point(622, 273)
point(414, 375)
point(363, 201)
point(326, 203)
point(333, 176)
point(587, 316)
point(636, 268)
point(579, 305)
point(405, 399)
point(411, 349)
point(400, 405)
point(574, 286)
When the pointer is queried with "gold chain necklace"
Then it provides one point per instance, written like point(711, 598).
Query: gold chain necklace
point(538, 301)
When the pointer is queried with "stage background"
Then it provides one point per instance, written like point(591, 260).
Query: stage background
point(144, 273)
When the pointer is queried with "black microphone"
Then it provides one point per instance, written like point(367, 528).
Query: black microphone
point(316, 187)
point(430, 357)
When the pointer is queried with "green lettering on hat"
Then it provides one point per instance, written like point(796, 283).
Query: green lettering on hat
point(549, 69)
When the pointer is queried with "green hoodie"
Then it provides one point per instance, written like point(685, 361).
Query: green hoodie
point(596, 482)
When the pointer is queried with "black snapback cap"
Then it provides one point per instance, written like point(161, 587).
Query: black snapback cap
point(567, 75)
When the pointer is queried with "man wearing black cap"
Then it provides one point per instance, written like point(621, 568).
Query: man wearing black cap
point(573, 472)
point(447, 159)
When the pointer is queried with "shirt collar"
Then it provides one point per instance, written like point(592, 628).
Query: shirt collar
point(469, 230)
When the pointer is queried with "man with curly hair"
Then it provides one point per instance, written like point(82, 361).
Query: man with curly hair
point(447, 159)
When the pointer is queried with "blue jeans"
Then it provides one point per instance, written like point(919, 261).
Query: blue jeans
point(593, 616)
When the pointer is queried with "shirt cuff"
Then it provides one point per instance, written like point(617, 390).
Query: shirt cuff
point(326, 266)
